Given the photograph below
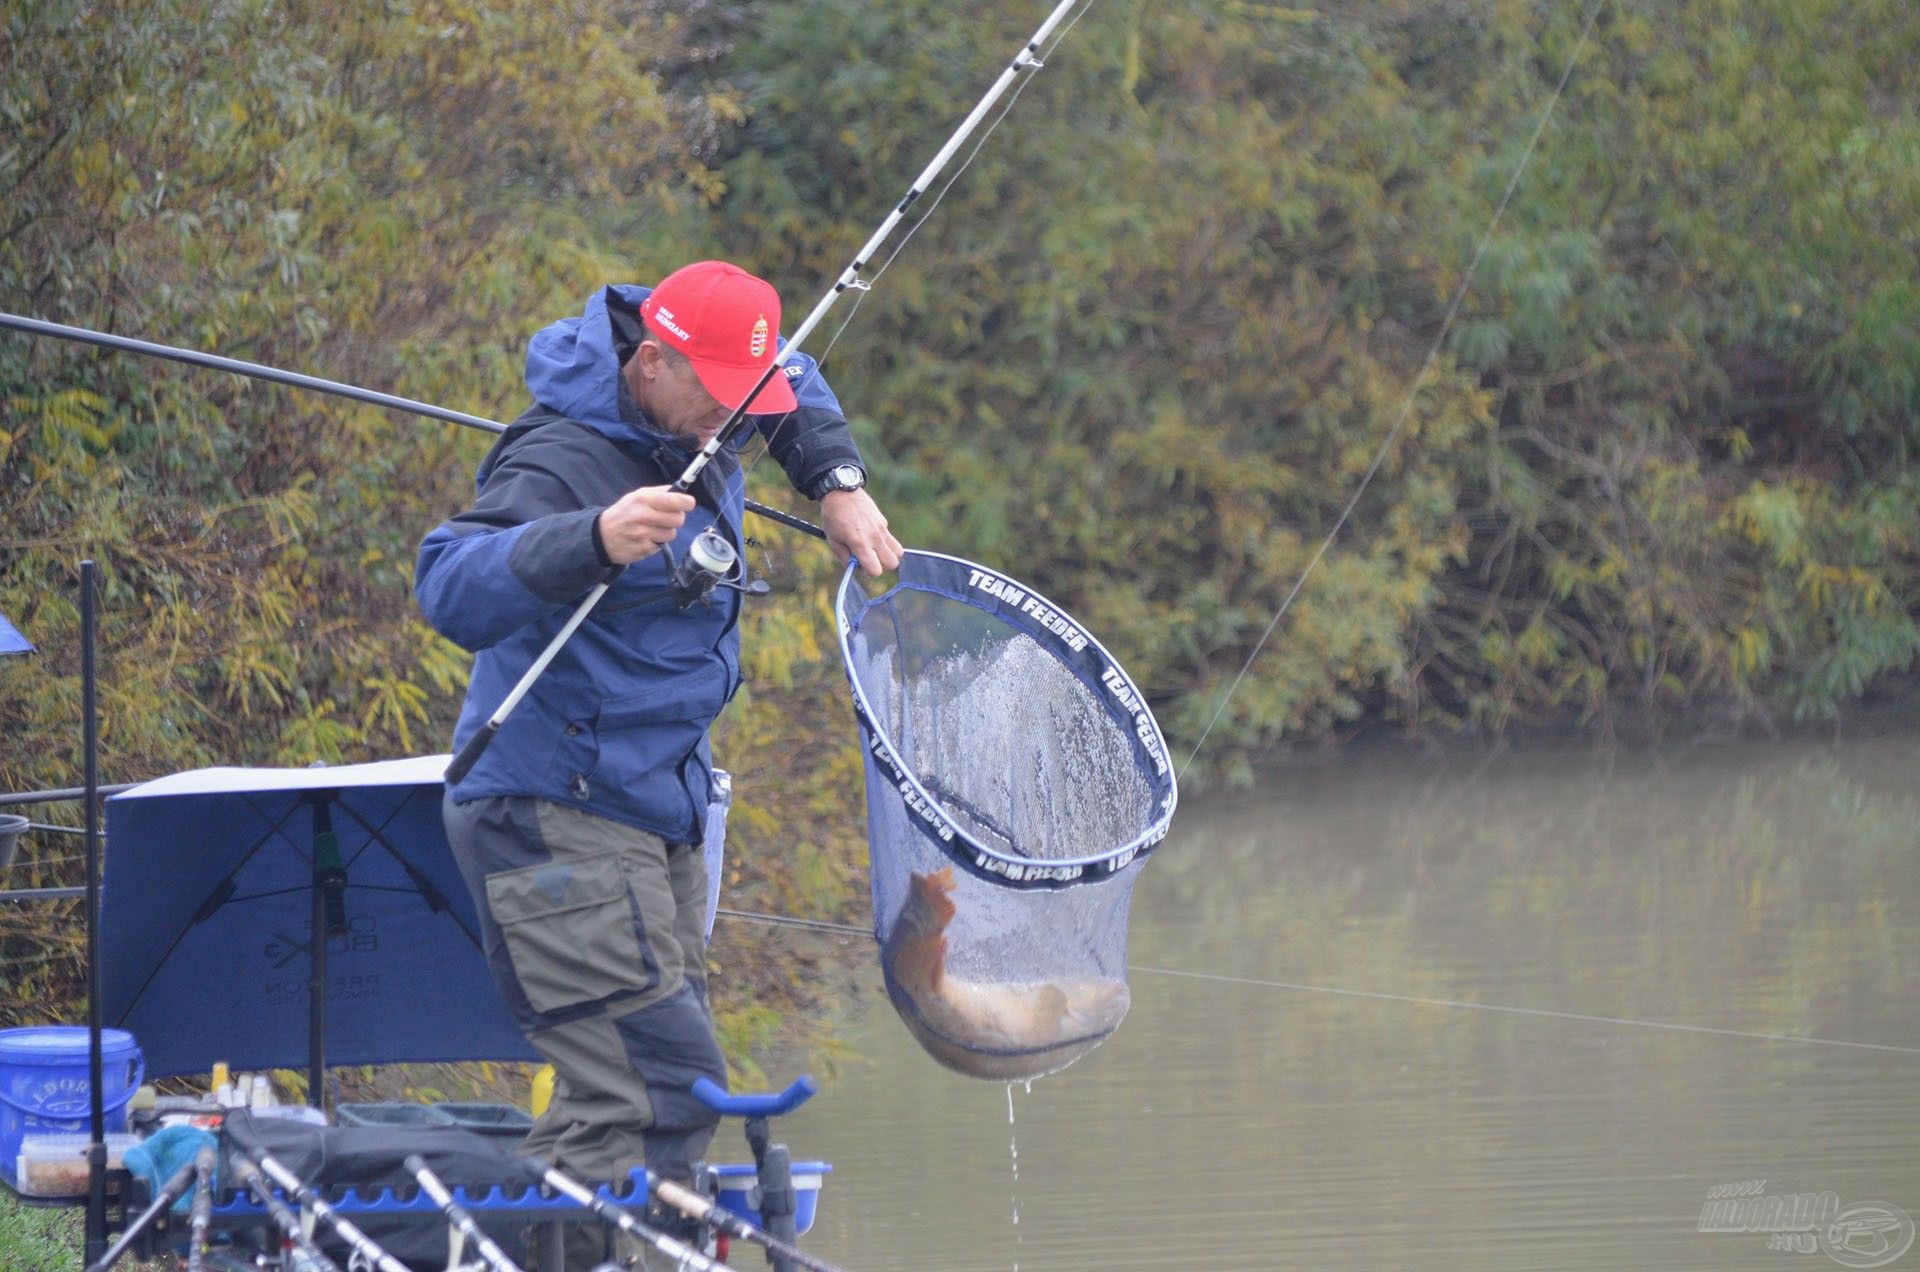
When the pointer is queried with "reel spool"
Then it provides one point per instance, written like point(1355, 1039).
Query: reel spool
point(711, 562)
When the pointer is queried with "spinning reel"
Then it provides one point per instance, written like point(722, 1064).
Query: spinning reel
point(711, 562)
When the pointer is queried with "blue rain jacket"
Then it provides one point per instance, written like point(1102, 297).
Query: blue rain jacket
point(617, 724)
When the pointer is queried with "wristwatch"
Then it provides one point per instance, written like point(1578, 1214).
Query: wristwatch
point(840, 477)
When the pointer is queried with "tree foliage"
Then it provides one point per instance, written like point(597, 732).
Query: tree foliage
point(380, 196)
point(1141, 354)
point(1146, 348)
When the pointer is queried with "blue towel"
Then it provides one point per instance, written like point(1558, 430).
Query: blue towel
point(161, 1154)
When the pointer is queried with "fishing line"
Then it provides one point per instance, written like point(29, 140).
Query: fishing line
point(1413, 390)
point(1414, 999)
point(1525, 1011)
point(781, 920)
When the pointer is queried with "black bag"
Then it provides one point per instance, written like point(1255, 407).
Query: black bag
point(370, 1158)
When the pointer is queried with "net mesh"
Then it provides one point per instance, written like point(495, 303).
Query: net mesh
point(1014, 784)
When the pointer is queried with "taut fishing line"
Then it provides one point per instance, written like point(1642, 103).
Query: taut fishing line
point(782, 920)
point(1672, 1026)
point(1413, 390)
point(1525, 1011)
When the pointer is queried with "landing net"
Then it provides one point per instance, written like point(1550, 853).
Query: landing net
point(1016, 782)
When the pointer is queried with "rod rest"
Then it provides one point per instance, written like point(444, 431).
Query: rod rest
point(497, 1198)
point(711, 1094)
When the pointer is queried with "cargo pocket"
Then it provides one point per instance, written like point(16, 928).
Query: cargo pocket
point(570, 929)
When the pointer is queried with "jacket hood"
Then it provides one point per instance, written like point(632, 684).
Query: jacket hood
point(573, 366)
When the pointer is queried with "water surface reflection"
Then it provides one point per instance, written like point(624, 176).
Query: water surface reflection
point(1769, 890)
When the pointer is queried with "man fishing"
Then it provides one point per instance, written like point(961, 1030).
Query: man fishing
point(578, 830)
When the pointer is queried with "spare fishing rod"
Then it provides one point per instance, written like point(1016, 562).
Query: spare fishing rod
point(293, 379)
point(694, 1206)
point(849, 279)
point(170, 1192)
point(282, 1214)
point(686, 1255)
point(461, 1222)
point(202, 1212)
point(364, 1247)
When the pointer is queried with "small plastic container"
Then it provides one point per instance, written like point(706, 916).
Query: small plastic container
point(507, 1122)
point(292, 1113)
point(391, 1113)
point(56, 1165)
point(735, 1185)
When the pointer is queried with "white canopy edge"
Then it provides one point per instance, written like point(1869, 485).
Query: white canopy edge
point(419, 770)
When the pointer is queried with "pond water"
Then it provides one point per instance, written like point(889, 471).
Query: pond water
point(1313, 1073)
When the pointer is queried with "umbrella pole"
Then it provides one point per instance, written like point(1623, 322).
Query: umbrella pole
point(96, 1236)
point(329, 921)
point(317, 1005)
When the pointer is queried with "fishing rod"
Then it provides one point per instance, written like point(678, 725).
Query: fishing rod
point(364, 1247)
point(313, 383)
point(849, 278)
point(457, 1216)
point(61, 795)
point(170, 1192)
point(694, 1206)
point(687, 1256)
point(202, 1212)
point(282, 1214)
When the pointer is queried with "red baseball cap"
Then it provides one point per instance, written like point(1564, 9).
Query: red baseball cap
point(726, 322)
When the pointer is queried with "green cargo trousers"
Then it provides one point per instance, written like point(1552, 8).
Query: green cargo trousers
point(593, 931)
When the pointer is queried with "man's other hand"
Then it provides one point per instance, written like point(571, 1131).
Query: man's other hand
point(856, 528)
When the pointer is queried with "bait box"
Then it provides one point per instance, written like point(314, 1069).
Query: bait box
point(56, 1165)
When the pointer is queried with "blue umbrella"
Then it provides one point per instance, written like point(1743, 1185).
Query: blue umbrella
point(11, 824)
point(207, 921)
point(11, 641)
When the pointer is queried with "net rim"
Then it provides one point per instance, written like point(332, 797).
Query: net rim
point(979, 858)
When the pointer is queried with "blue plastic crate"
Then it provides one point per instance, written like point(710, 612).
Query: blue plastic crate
point(736, 1182)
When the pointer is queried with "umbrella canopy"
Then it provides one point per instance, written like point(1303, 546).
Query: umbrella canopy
point(11, 641)
point(207, 917)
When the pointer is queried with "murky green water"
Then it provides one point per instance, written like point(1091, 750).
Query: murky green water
point(1255, 1122)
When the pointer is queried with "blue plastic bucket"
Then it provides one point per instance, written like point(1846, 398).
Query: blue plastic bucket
point(44, 1088)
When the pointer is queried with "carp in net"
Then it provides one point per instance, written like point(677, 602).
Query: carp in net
point(1016, 781)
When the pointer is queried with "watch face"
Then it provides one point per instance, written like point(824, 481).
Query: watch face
point(848, 477)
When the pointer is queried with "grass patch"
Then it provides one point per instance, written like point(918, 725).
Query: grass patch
point(53, 1239)
point(39, 1238)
